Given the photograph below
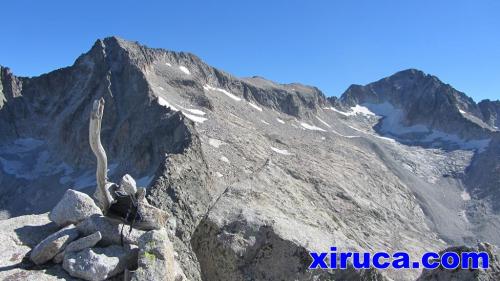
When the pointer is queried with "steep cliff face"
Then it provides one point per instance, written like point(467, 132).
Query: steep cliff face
point(491, 112)
point(254, 173)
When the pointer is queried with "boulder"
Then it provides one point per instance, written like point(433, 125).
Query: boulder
point(53, 244)
point(110, 229)
point(98, 264)
point(74, 207)
point(128, 184)
point(84, 243)
point(156, 257)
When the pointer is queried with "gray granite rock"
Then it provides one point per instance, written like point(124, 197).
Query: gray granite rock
point(74, 207)
point(128, 184)
point(156, 258)
point(53, 244)
point(97, 264)
point(111, 230)
point(84, 243)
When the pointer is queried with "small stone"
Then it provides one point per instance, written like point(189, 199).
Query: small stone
point(84, 243)
point(128, 184)
point(53, 244)
point(98, 264)
point(110, 230)
point(152, 217)
point(74, 207)
point(156, 257)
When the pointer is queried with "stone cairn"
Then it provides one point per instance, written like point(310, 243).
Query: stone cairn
point(92, 244)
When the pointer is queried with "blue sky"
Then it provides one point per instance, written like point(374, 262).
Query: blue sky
point(328, 44)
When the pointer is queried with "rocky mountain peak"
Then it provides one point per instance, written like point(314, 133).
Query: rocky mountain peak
point(423, 100)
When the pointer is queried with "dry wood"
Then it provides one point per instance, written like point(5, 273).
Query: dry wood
point(102, 194)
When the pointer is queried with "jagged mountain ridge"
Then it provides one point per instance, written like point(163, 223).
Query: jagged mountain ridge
point(251, 165)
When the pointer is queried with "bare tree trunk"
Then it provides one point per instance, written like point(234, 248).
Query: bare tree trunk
point(102, 194)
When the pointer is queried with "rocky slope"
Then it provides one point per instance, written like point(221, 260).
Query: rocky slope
point(256, 173)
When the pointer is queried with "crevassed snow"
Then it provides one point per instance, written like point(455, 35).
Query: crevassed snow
point(208, 87)
point(311, 127)
point(322, 121)
point(280, 151)
point(255, 106)
point(215, 142)
point(195, 118)
point(280, 121)
point(184, 69)
point(165, 103)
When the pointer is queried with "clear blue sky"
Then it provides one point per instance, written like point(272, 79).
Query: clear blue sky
point(328, 44)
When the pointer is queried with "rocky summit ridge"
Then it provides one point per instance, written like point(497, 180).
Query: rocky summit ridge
point(253, 174)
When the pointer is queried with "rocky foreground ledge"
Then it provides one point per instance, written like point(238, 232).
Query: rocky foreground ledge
point(76, 241)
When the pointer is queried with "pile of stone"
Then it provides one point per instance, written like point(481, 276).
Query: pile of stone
point(93, 246)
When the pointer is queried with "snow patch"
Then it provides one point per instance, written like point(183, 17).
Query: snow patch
point(193, 111)
point(465, 195)
point(208, 87)
point(311, 127)
point(392, 125)
point(165, 103)
point(322, 121)
point(224, 159)
point(264, 122)
point(280, 151)
point(195, 118)
point(184, 69)
point(215, 142)
point(280, 121)
point(255, 106)
point(338, 111)
point(359, 109)
point(168, 64)
point(219, 175)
